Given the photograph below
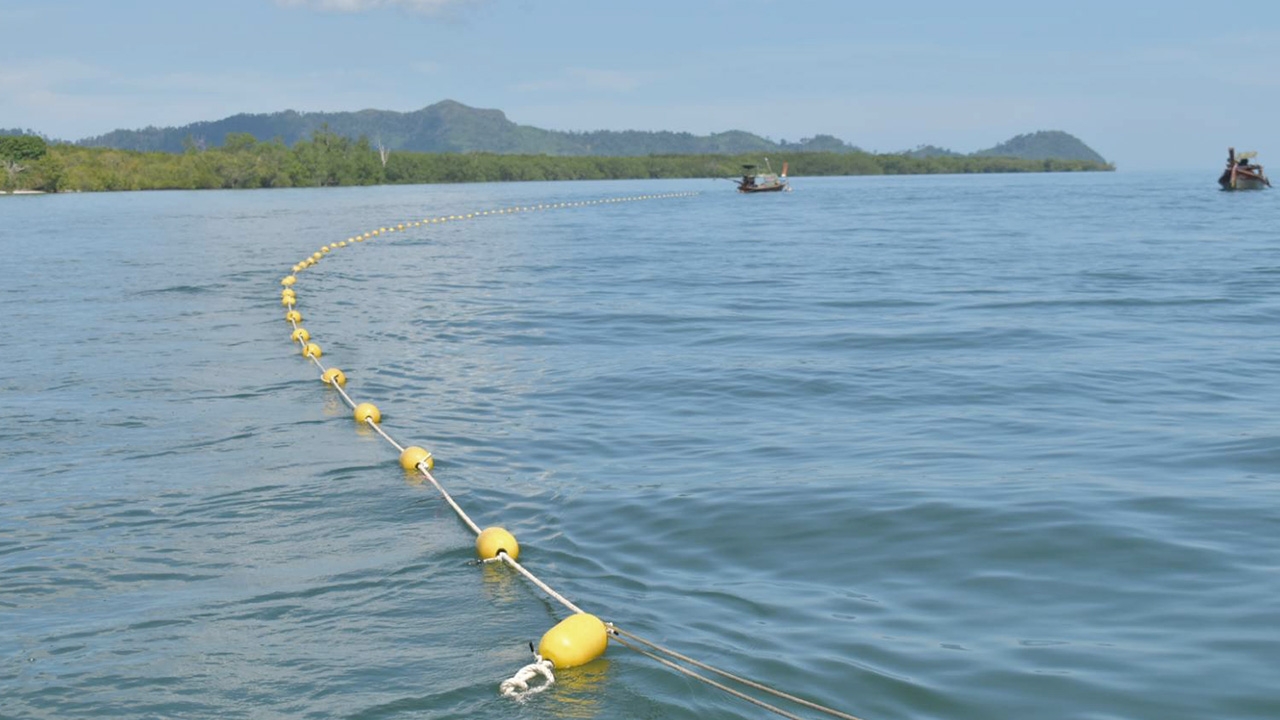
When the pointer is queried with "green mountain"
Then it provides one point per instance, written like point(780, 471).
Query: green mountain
point(1043, 145)
point(451, 127)
point(445, 127)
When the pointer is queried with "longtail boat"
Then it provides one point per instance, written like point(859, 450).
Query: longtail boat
point(753, 182)
point(1241, 174)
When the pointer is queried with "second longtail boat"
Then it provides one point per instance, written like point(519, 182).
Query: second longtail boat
point(1241, 174)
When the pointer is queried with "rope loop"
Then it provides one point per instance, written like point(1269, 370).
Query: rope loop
point(519, 686)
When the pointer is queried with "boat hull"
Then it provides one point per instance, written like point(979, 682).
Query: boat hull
point(1246, 183)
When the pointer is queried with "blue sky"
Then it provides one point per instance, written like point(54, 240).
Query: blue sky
point(1150, 85)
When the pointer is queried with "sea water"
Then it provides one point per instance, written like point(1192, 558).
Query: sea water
point(911, 447)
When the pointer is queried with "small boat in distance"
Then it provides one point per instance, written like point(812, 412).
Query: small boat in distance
point(1240, 174)
point(753, 182)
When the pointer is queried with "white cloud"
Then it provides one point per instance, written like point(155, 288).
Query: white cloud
point(426, 7)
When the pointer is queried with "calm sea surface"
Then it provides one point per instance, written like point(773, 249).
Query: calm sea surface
point(913, 447)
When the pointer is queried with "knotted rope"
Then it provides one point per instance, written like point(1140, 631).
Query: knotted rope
point(518, 686)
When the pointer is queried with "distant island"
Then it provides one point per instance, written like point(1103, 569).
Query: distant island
point(451, 127)
point(1042, 145)
point(451, 142)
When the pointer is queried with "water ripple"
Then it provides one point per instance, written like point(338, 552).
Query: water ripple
point(931, 447)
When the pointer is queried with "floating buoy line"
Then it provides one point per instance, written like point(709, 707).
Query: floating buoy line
point(581, 637)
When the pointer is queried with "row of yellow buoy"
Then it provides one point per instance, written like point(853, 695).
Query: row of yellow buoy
point(581, 637)
point(400, 227)
point(410, 457)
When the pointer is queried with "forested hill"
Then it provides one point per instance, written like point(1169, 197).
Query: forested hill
point(451, 127)
point(447, 127)
point(1043, 145)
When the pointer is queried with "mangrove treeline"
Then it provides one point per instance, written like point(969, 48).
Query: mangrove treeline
point(329, 159)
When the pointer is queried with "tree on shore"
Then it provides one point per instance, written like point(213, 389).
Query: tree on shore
point(329, 159)
point(18, 153)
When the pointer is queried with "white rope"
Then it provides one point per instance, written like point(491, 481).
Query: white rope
point(721, 686)
point(517, 686)
point(385, 436)
point(449, 498)
point(344, 394)
point(615, 631)
point(541, 585)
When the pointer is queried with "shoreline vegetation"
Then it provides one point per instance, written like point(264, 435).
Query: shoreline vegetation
point(327, 159)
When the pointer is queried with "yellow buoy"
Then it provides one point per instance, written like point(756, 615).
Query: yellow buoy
point(300, 335)
point(293, 316)
point(367, 411)
point(288, 300)
point(311, 350)
point(324, 248)
point(576, 640)
point(288, 280)
point(495, 540)
point(287, 293)
point(334, 376)
point(413, 455)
